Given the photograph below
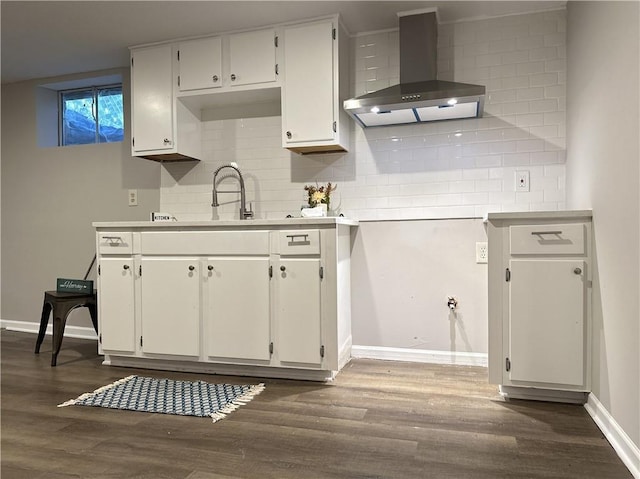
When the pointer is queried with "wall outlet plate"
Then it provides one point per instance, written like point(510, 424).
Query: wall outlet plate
point(482, 252)
point(133, 197)
point(522, 180)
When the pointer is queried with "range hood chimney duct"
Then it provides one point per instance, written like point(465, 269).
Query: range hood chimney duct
point(420, 96)
point(416, 63)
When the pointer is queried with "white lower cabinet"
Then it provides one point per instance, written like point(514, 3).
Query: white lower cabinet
point(547, 321)
point(170, 298)
point(298, 311)
point(237, 313)
point(116, 301)
point(540, 304)
point(252, 302)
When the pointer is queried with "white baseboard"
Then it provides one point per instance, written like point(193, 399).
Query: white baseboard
point(420, 355)
point(30, 327)
point(628, 452)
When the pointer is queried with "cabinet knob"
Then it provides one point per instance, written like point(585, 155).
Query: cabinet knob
point(210, 268)
point(215, 78)
point(233, 77)
point(289, 134)
point(126, 266)
point(167, 141)
point(191, 267)
point(577, 271)
point(282, 268)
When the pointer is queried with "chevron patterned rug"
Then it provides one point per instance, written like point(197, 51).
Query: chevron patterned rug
point(167, 396)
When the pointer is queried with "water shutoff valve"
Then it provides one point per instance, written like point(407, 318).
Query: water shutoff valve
point(452, 303)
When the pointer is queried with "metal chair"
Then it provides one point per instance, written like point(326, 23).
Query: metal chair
point(61, 304)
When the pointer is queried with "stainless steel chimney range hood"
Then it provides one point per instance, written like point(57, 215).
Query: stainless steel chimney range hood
point(420, 96)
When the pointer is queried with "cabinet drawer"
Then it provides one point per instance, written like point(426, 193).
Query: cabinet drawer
point(205, 242)
point(115, 243)
point(299, 242)
point(548, 239)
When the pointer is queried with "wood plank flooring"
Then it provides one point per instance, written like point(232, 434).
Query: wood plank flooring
point(378, 419)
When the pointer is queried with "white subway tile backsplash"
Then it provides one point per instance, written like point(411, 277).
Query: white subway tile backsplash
point(488, 161)
point(475, 198)
point(530, 145)
point(543, 106)
point(530, 68)
point(528, 120)
point(461, 168)
point(544, 79)
point(529, 42)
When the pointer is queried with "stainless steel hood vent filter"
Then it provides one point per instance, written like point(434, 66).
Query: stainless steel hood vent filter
point(420, 96)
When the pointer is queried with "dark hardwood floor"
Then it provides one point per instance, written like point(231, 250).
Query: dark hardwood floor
point(376, 420)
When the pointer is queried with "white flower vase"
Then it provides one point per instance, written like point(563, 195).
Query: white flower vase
point(315, 212)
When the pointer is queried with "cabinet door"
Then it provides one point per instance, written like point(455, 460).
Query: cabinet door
point(238, 311)
point(117, 305)
point(298, 310)
point(547, 321)
point(308, 93)
point(252, 57)
point(152, 99)
point(170, 303)
point(200, 64)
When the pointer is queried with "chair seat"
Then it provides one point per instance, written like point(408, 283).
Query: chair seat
point(61, 304)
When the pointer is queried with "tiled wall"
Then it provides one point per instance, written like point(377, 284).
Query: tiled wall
point(449, 169)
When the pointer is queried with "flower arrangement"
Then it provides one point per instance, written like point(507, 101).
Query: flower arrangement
point(319, 194)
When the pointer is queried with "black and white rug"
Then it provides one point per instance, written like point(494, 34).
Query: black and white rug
point(168, 396)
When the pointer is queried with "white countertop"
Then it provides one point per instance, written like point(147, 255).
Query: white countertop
point(533, 215)
point(297, 222)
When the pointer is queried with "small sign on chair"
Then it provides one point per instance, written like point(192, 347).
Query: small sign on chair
point(64, 285)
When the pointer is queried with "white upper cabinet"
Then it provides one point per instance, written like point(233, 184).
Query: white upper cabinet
point(152, 99)
point(222, 62)
point(300, 70)
point(200, 64)
point(252, 57)
point(162, 128)
point(315, 83)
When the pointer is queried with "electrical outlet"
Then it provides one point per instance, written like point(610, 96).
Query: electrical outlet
point(482, 252)
point(522, 180)
point(133, 197)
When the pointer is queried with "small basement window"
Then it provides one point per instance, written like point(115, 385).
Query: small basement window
point(91, 115)
point(81, 112)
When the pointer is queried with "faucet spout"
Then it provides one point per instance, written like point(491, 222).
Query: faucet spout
point(244, 213)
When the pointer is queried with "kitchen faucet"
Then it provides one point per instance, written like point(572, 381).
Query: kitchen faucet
point(244, 213)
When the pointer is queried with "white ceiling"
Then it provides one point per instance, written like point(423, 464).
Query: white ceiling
point(50, 38)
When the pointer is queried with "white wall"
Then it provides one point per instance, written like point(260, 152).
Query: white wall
point(446, 170)
point(451, 170)
point(403, 273)
point(50, 197)
point(603, 174)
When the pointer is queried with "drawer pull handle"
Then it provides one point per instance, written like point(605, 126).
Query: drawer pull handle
point(113, 240)
point(191, 267)
point(540, 233)
point(292, 239)
point(577, 271)
point(283, 268)
point(126, 266)
point(210, 268)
